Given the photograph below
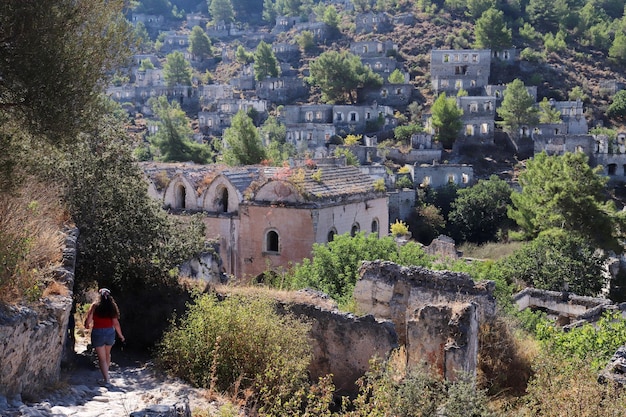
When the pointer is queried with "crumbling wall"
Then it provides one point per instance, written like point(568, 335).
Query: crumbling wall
point(444, 338)
point(436, 313)
point(33, 338)
point(343, 344)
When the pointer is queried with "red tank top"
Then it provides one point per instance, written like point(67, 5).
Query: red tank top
point(102, 322)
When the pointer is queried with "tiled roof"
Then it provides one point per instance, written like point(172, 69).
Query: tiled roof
point(315, 183)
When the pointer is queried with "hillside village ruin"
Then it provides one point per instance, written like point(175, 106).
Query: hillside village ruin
point(270, 217)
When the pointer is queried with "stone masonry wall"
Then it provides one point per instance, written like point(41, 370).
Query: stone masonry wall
point(32, 339)
point(343, 344)
point(436, 313)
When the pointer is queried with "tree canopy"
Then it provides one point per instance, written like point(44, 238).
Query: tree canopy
point(59, 49)
point(243, 142)
point(479, 212)
point(265, 62)
point(617, 108)
point(557, 260)
point(339, 74)
point(491, 31)
point(565, 192)
point(221, 11)
point(177, 70)
point(173, 137)
point(517, 109)
point(199, 44)
point(446, 119)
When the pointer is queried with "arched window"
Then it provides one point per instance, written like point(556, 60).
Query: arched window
point(331, 235)
point(375, 226)
point(181, 195)
point(224, 200)
point(355, 229)
point(272, 242)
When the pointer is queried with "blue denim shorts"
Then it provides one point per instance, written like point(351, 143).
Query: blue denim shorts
point(101, 337)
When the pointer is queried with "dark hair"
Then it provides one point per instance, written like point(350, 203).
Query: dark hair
point(106, 306)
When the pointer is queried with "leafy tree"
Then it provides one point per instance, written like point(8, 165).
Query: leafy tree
point(339, 74)
point(577, 93)
point(545, 15)
point(479, 212)
point(177, 70)
point(547, 113)
point(306, 41)
point(404, 133)
point(173, 137)
point(491, 31)
point(351, 158)
point(242, 56)
point(274, 137)
point(426, 223)
point(160, 7)
point(47, 54)
point(146, 64)
point(396, 77)
point(617, 108)
point(221, 10)
point(265, 62)
point(269, 11)
point(294, 7)
point(446, 119)
point(199, 44)
point(330, 17)
point(127, 240)
point(243, 142)
point(617, 51)
point(144, 43)
point(476, 8)
point(363, 5)
point(334, 267)
point(517, 109)
point(555, 259)
point(565, 192)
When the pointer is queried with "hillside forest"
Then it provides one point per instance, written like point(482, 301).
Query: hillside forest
point(69, 157)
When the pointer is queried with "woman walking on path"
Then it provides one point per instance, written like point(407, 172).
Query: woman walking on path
point(104, 316)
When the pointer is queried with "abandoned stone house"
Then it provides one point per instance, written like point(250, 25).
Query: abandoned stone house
point(373, 23)
point(382, 66)
point(453, 70)
point(394, 95)
point(349, 119)
point(281, 90)
point(373, 49)
point(286, 52)
point(268, 217)
point(222, 110)
point(196, 19)
point(176, 41)
point(284, 23)
point(611, 156)
point(439, 175)
point(478, 117)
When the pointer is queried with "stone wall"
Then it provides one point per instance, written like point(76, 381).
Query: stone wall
point(343, 344)
point(33, 338)
point(436, 313)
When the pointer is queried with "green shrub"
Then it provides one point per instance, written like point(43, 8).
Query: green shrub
point(240, 343)
point(592, 343)
point(334, 266)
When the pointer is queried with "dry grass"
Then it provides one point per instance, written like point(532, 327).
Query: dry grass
point(31, 220)
point(279, 295)
point(493, 251)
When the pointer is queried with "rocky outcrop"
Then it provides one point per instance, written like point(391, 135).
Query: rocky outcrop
point(33, 338)
point(343, 344)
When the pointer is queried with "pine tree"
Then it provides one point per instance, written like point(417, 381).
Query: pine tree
point(265, 62)
point(199, 44)
point(491, 31)
point(446, 119)
point(177, 71)
point(243, 142)
point(517, 109)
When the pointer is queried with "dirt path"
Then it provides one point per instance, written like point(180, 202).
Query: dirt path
point(135, 385)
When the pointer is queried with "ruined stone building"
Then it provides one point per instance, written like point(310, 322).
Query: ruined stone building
point(453, 70)
point(438, 175)
point(267, 217)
